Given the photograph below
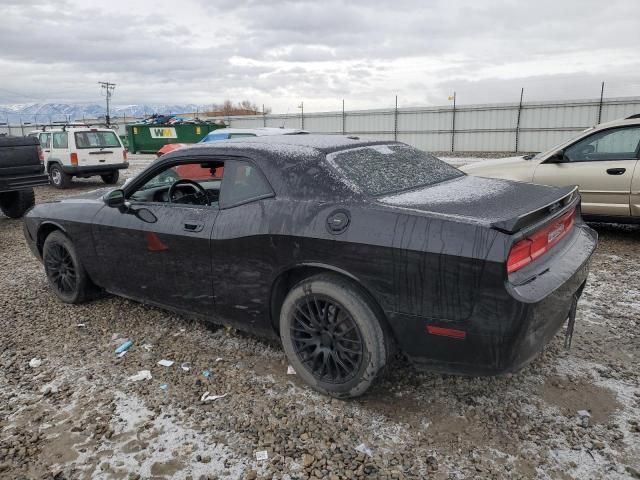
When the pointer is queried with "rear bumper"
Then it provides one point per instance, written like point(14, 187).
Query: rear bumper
point(22, 182)
point(508, 329)
point(94, 169)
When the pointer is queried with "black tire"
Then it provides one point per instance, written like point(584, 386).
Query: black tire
point(58, 178)
point(333, 335)
point(16, 204)
point(111, 178)
point(66, 276)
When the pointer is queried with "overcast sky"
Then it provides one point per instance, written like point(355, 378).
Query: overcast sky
point(282, 52)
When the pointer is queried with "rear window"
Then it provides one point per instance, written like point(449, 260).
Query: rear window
point(384, 169)
point(97, 140)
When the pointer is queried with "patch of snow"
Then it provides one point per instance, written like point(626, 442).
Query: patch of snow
point(467, 188)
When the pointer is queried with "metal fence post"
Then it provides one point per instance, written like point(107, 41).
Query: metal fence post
point(600, 106)
point(518, 121)
point(395, 122)
point(343, 119)
point(264, 117)
point(453, 124)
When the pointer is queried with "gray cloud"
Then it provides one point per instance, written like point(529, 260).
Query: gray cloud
point(278, 52)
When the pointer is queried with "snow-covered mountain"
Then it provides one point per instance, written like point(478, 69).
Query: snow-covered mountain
point(51, 112)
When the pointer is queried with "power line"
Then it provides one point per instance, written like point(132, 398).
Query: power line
point(108, 88)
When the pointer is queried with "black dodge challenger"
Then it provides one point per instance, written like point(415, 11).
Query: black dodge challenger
point(345, 249)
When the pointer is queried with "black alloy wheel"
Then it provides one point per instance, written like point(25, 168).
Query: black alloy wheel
point(61, 270)
point(65, 273)
point(326, 339)
point(333, 335)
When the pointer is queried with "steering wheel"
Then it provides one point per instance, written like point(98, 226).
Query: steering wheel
point(200, 192)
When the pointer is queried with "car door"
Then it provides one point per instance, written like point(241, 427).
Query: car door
point(45, 144)
point(635, 193)
point(157, 251)
point(60, 147)
point(602, 165)
point(242, 250)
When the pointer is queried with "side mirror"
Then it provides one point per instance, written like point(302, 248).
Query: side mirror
point(557, 157)
point(115, 198)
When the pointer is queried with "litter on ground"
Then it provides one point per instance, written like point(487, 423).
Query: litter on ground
point(141, 375)
point(262, 455)
point(124, 347)
point(290, 370)
point(209, 398)
point(165, 363)
point(362, 448)
point(35, 362)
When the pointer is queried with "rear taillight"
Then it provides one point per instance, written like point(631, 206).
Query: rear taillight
point(525, 251)
point(124, 156)
point(74, 158)
point(40, 154)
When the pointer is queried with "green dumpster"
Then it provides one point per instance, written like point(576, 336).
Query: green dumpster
point(144, 138)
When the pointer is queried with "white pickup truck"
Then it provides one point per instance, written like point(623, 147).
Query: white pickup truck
point(81, 151)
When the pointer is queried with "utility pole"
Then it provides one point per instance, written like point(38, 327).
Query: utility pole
point(301, 107)
point(600, 104)
point(453, 124)
point(518, 120)
point(108, 88)
point(395, 121)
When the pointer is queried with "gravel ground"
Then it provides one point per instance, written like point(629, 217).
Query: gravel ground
point(78, 415)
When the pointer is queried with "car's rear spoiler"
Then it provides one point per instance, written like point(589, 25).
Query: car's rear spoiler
point(569, 198)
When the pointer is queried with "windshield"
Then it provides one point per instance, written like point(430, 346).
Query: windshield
point(384, 169)
point(98, 139)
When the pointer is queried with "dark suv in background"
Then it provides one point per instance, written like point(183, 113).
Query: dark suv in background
point(21, 169)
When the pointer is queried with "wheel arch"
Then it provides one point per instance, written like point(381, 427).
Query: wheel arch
point(288, 278)
point(53, 162)
point(44, 230)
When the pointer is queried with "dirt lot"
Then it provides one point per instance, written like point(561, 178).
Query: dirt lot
point(77, 415)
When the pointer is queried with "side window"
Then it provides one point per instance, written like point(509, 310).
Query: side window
point(195, 183)
point(45, 139)
point(618, 144)
point(242, 182)
point(60, 140)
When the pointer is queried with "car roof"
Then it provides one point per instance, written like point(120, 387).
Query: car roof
point(631, 120)
point(293, 164)
point(73, 129)
point(288, 144)
point(262, 131)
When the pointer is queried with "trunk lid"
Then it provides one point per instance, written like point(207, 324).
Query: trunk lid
point(505, 205)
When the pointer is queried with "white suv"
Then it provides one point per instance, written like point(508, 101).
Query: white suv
point(81, 152)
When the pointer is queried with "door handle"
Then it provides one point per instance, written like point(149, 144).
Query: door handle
point(616, 171)
point(194, 227)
